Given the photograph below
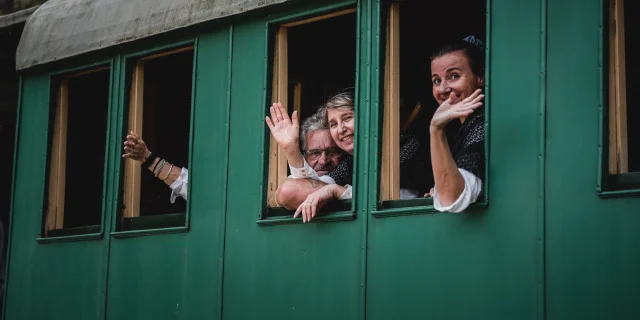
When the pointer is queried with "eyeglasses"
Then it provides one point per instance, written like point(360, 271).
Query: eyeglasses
point(331, 152)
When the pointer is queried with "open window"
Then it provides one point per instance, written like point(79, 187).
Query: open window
point(408, 103)
point(159, 111)
point(74, 201)
point(313, 60)
point(623, 136)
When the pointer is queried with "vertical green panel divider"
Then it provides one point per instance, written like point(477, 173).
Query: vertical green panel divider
point(542, 141)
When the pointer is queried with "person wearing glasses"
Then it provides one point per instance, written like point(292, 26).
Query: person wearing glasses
point(311, 168)
point(308, 196)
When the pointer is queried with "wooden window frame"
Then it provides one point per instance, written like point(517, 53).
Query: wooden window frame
point(280, 93)
point(616, 179)
point(618, 149)
point(54, 217)
point(133, 170)
point(390, 162)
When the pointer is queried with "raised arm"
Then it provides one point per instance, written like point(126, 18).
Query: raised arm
point(448, 179)
point(175, 177)
point(286, 132)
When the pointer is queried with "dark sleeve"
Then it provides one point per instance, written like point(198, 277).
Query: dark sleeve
point(415, 165)
point(343, 172)
point(471, 155)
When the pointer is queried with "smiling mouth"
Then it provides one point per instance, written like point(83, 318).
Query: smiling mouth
point(347, 138)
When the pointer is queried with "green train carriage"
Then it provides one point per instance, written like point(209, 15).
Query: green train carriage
point(93, 237)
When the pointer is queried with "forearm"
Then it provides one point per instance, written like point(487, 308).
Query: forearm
point(294, 191)
point(168, 173)
point(294, 157)
point(448, 180)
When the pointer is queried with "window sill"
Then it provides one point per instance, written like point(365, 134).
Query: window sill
point(622, 185)
point(152, 225)
point(149, 232)
point(73, 234)
point(328, 217)
point(410, 209)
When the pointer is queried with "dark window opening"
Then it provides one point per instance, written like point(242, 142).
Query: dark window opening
point(322, 60)
point(420, 33)
point(632, 30)
point(78, 128)
point(165, 126)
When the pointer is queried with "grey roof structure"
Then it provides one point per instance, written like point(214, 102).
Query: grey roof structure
point(64, 28)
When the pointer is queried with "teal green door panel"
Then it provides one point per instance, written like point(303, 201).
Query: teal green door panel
point(482, 264)
point(298, 271)
point(592, 243)
point(61, 280)
point(177, 276)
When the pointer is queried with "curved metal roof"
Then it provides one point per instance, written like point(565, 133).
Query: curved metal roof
point(65, 28)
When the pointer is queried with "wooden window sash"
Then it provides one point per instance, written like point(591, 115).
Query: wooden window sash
point(279, 93)
point(618, 149)
point(133, 170)
point(58, 161)
point(390, 166)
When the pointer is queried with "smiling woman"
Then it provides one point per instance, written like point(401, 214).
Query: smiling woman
point(457, 74)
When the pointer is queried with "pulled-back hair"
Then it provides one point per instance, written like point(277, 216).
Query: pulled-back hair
point(470, 46)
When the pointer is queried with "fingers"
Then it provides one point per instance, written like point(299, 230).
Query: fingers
point(283, 112)
point(298, 211)
point(278, 110)
point(294, 118)
point(274, 116)
point(269, 123)
point(314, 206)
point(452, 97)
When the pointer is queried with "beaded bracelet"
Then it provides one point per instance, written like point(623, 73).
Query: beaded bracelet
point(160, 167)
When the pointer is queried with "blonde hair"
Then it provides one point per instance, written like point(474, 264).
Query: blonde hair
point(342, 100)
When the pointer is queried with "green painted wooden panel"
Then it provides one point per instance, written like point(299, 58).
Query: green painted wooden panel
point(309, 271)
point(177, 276)
point(482, 264)
point(60, 280)
point(592, 243)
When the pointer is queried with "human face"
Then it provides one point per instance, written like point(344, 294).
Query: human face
point(452, 73)
point(321, 141)
point(341, 123)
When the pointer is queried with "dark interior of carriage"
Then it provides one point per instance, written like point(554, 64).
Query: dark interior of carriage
point(166, 125)
point(632, 30)
point(424, 25)
point(322, 60)
point(86, 130)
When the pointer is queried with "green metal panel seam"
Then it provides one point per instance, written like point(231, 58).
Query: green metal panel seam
point(13, 194)
point(223, 223)
point(194, 73)
point(487, 100)
point(366, 6)
point(541, 160)
point(602, 116)
point(113, 115)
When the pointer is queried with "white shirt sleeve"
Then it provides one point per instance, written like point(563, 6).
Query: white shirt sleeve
point(472, 188)
point(307, 172)
point(346, 194)
point(179, 187)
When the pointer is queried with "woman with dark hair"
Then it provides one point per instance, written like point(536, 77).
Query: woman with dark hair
point(457, 76)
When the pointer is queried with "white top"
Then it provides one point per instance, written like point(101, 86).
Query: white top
point(307, 172)
point(179, 187)
point(472, 188)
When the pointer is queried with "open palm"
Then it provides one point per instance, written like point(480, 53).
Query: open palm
point(450, 109)
point(285, 131)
